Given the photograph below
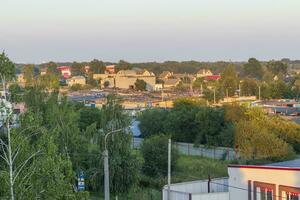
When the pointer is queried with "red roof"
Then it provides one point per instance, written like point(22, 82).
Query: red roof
point(212, 78)
point(64, 68)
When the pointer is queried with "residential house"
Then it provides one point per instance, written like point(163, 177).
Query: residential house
point(76, 80)
point(20, 79)
point(110, 69)
point(43, 71)
point(65, 71)
point(165, 75)
point(125, 79)
point(171, 83)
point(203, 73)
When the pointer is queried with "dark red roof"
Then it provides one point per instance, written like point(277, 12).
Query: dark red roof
point(212, 78)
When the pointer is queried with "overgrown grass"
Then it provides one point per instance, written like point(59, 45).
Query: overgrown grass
point(191, 168)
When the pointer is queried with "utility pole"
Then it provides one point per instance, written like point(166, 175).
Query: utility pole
point(169, 170)
point(106, 166)
point(258, 92)
point(214, 95)
point(240, 91)
point(201, 90)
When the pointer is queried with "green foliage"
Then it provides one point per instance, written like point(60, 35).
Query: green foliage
point(155, 153)
point(123, 65)
point(253, 68)
point(28, 71)
point(277, 67)
point(256, 130)
point(89, 116)
point(140, 85)
point(229, 80)
point(76, 87)
point(153, 121)
point(51, 68)
point(16, 93)
point(97, 66)
point(7, 69)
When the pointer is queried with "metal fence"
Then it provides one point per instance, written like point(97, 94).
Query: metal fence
point(189, 149)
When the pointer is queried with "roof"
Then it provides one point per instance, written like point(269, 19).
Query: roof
point(126, 72)
point(172, 81)
point(77, 77)
point(290, 163)
point(286, 165)
point(203, 71)
point(212, 78)
point(164, 74)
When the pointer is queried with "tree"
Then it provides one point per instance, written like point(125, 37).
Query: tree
point(229, 80)
point(28, 71)
point(249, 87)
point(123, 65)
point(7, 71)
point(16, 93)
point(277, 67)
point(153, 121)
point(77, 68)
point(155, 153)
point(140, 85)
point(97, 66)
point(51, 68)
point(211, 123)
point(253, 68)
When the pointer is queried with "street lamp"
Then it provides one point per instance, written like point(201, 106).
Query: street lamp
point(106, 165)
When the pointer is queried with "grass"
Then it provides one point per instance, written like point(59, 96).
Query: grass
point(191, 168)
point(188, 168)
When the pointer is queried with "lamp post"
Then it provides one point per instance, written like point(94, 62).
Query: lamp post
point(106, 165)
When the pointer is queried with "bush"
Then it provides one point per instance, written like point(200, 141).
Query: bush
point(155, 153)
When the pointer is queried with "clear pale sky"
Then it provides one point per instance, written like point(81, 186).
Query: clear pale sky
point(148, 30)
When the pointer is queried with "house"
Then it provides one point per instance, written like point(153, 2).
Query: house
point(125, 79)
point(43, 71)
point(171, 83)
point(203, 73)
point(165, 75)
point(76, 80)
point(110, 69)
point(65, 71)
point(185, 77)
point(277, 181)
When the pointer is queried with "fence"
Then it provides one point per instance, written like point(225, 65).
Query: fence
point(198, 190)
point(189, 149)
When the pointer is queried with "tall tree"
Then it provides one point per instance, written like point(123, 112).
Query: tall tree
point(253, 68)
point(229, 80)
point(97, 66)
point(28, 71)
point(7, 71)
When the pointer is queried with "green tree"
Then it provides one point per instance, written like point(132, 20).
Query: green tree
point(153, 121)
point(140, 85)
point(249, 87)
point(229, 80)
point(97, 66)
point(253, 68)
point(123, 65)
point(7, 71)
point(16, 93)
point(155, 153)
point(51, 68)
point(77, 69)
point(277, 67)
point(28, 71)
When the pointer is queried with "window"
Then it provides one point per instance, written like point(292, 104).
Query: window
point(289, 193)
point(264, 191)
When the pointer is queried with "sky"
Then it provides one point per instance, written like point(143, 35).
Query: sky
point(34, 31)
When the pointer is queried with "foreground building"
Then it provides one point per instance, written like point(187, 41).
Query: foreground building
point(277, 181)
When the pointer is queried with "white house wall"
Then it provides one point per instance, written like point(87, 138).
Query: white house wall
point(239, 178)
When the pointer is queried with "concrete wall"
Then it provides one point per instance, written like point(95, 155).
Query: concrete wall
point(182, 190)
point(211, 196)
